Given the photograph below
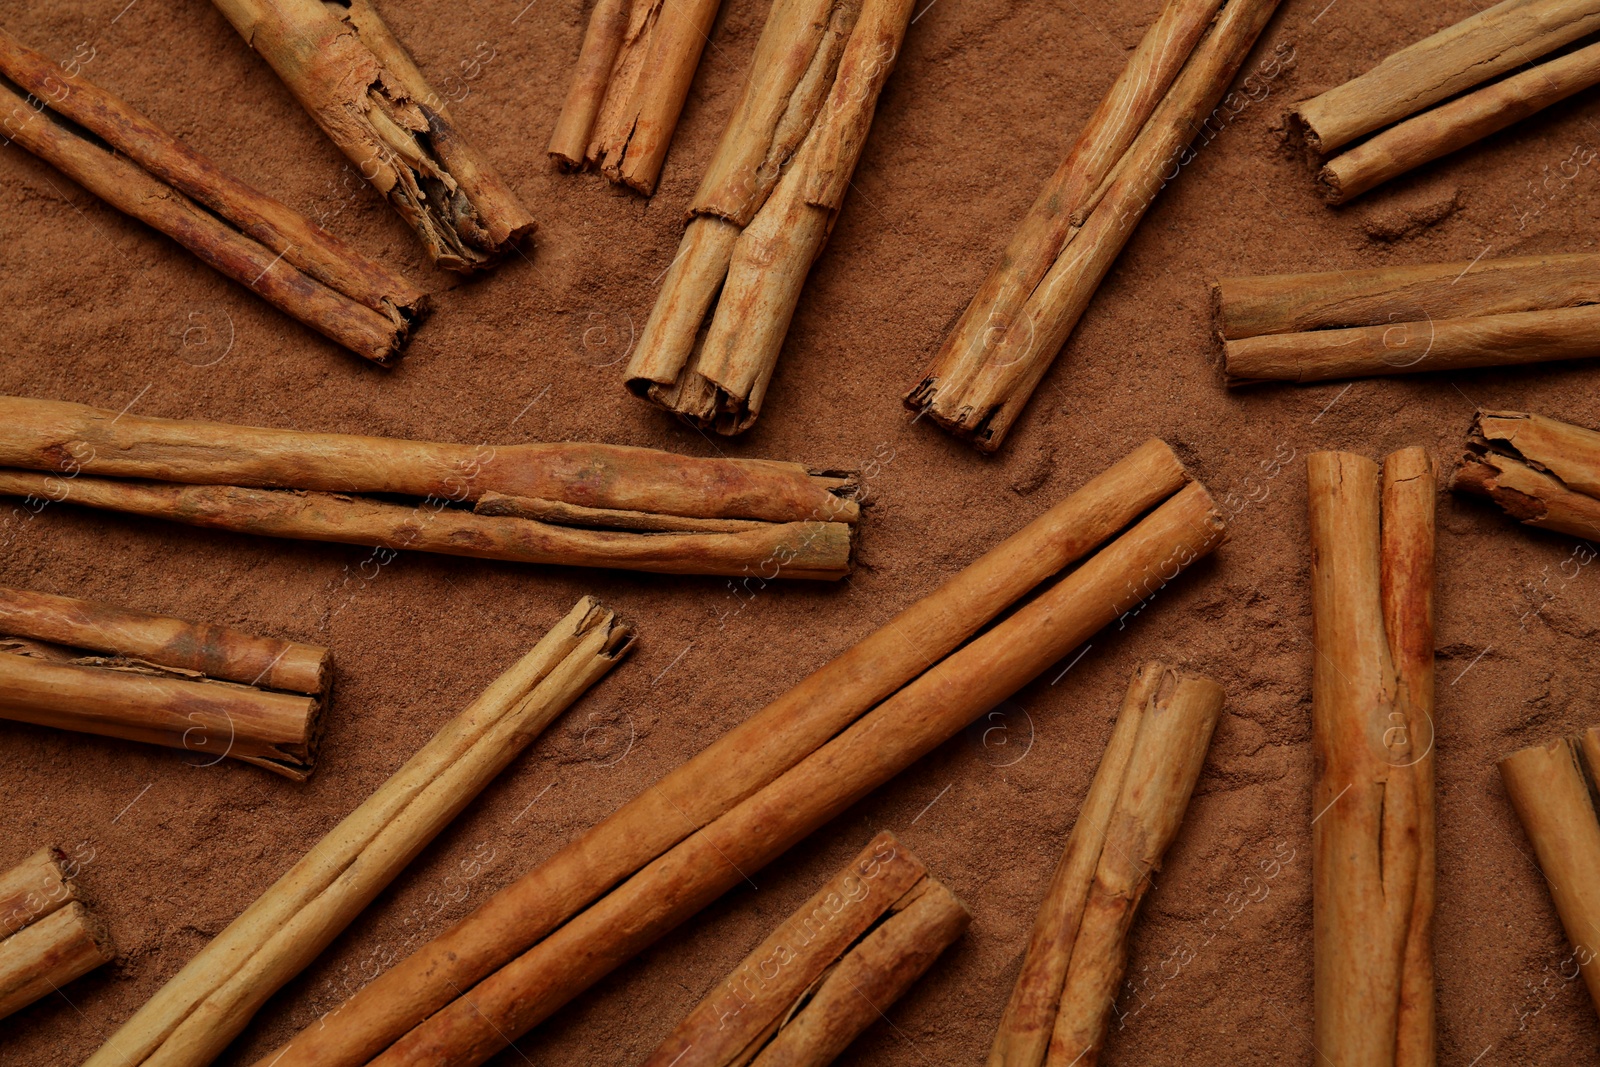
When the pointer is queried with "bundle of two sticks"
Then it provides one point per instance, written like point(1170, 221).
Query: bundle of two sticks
point(47, 936)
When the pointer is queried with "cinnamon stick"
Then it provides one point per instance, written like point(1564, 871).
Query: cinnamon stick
point(600, 505)
point(1493, 42)
point(1451, 316)
point(828, 971)
point(1552, 799)
point(765, 207)
point(1372, 629)
point(95, 668)
point(362, 88)
point(1540, 471)
point(1011, 332)
point(1077, 953)
point(211, 1000)
point(632, 78)
point(47, 937)
point(1454, 125)
point(785, 771)
point(139, 168)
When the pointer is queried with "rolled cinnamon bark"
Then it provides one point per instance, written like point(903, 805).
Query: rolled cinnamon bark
point(359, 84)
point(142, 170)
point(632, 78)
point(828, 971)
point(765, 207)
point(1486, 45)
point(47, 937)
point(671, 514)
point(1552, 799)
point(1448, 127)
point(33, 889)
point(211, 1000)
point(1078, 951)
point(1011, 332)
point(784, 771)
point(1540, 471)
point(1371, 589)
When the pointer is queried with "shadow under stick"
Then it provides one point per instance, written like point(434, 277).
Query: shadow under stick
point(212, 999)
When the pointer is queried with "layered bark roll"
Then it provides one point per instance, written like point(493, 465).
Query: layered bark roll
point(781, 774)
point(828, 972)
point(569, 503)
point(1061, 1004)
point(1485, 46)
point(1372, 570)
point(100, 669)
point(1405, 320)
point(632, 77)
point(204, 1006)
point(1553, 800)
point(1132, 145)
point(363, 89)
point(1542, 472)
point(47, 936)
point(765, 207)
point(143, 171)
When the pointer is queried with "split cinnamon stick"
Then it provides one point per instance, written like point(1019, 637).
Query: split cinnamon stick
point(782, 773)
point(142, 170)
point(1372, 537)
point(363, 89)
point(1552, 799)
point(1540, 471)
point(96, 668)
point(1077, 954)
point(828, 971)
point(211, 1000)
point(1491, 43)
point(599, 505)
point(765, 207)
point(1402, 320)
point(1136, 141)
point(47, 936)
point(632, 78)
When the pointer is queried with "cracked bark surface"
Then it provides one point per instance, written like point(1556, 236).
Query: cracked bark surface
point(1540, 471)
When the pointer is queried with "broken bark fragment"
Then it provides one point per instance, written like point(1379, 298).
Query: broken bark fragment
point(1540, 471)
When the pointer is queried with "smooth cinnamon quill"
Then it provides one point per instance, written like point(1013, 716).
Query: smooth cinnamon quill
point(96, 668)
point(47, 937)
point(765, 207)
point(785, 771)
point(1553, 799)
point(1405, 320)
point(1134, 143)
point(632, 77)
point(143, 171)
point(1540, 471)
point(359, 84)
point(211, 1000)
point(827, 972)
point(597, 505)
point(1399, 92)
point(1372, 578)
point(1061, 1005)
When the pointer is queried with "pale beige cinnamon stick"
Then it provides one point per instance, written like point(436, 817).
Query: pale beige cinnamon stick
point(1496, 40)
point(211, 1000)
point(631, 81)
point(1540, 471)
point(765, 207)
point(604, 505)
point(39, 959)
point(1452, 126)
point(1371, 588)
point(361, 87)
point(780, 773)
point(1553, 800)
point(987, 368)
point(142, 170)
point(827, 971)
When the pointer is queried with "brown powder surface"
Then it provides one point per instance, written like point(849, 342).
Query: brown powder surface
point(984, 102)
